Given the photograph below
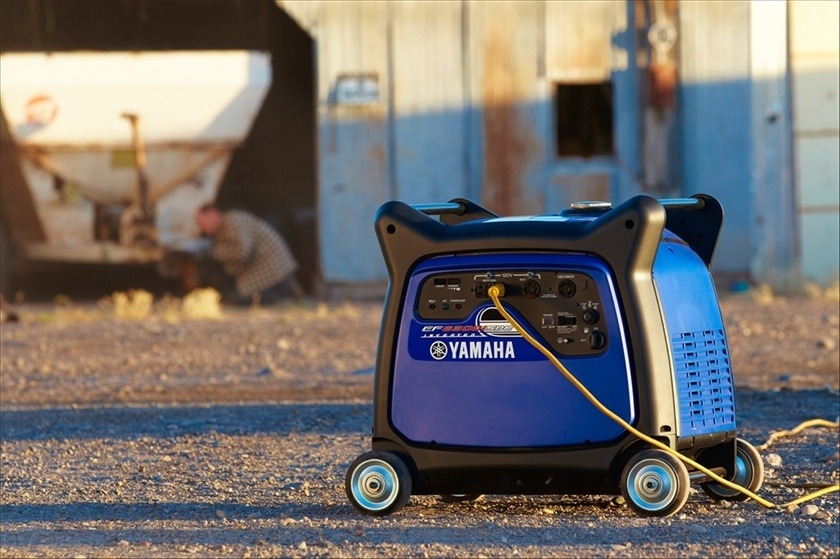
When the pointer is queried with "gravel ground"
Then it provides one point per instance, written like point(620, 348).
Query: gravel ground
point(175, 436)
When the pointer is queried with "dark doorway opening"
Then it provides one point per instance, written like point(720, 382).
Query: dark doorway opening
point(274, 173)
point(583, 119)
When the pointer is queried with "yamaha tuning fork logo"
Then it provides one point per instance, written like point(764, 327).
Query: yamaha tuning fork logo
point(438, 350)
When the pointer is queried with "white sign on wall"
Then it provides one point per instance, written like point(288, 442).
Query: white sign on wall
point(357, 89)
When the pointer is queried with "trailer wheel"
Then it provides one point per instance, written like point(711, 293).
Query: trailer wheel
point(378, 483)
point(654, 483)
point(749, 473)
point(460, 498)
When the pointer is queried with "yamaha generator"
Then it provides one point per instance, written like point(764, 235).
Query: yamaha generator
point(465, 405)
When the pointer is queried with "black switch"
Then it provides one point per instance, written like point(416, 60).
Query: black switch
point(597, 340)
point(591, 316)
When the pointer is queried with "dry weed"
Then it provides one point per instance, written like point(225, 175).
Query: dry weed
point(763, 294)
point(202, 303)
point(133, 304)
point(830, 293)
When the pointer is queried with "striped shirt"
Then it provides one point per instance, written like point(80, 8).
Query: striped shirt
point(252, 251)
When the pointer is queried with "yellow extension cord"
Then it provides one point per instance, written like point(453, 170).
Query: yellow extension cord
point(496, 291)
point(790, 432)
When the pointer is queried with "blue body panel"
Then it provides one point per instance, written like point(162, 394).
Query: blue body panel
point(702, 369)
point(478, 388)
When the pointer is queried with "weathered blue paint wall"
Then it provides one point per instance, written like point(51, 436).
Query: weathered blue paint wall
point(353, 166)
point(466, 109)
point(715, 119)
point(716, 140)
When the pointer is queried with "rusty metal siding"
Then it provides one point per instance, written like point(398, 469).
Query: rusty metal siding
point(504, 45)
point(627, 102)
point(466, 109)
point(588, 43)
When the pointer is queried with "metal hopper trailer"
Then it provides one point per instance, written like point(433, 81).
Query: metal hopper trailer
point(107, 155)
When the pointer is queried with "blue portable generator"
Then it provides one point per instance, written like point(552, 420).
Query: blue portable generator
point(464, 405)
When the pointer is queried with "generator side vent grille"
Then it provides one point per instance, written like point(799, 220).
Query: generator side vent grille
point(704, 382)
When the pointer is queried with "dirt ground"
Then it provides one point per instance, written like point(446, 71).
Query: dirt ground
point(63, 354)
point(151, 431)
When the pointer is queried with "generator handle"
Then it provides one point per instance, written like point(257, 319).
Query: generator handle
point(683, 203)
point(441, 208)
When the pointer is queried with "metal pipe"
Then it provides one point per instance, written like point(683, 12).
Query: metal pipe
point(700, 477)
point(438, 209)
point(683, 203)
point(140, 163)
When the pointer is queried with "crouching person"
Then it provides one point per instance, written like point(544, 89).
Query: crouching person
point(252, 253)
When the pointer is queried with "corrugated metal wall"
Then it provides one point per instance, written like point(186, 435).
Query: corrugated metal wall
point(815, 66)
point(759, 130)
point(466, 106)
point(775, 255)
point(715, 118)
point(463, 108)
point(429, 124)
point(354, 156)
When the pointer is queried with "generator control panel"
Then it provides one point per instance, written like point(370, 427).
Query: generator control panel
point(564, 307)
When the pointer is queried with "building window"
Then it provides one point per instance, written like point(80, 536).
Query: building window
point(583, 119)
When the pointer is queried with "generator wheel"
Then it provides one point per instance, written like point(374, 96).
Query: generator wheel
point(654, 483)
point(749, 473)
point(460, 498)
point(378, 483)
